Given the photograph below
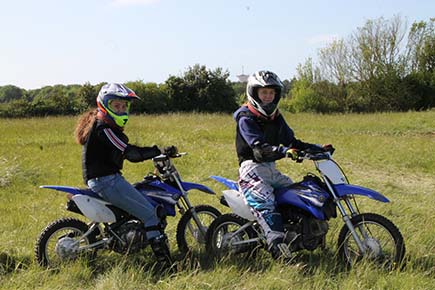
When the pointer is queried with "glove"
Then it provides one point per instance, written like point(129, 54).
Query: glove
point(292, 153)
point(314, 148)
point(170, 151)
point(328, 148)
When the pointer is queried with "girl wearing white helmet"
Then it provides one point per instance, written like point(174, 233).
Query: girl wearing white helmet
point(262, 137)
point(105, 146)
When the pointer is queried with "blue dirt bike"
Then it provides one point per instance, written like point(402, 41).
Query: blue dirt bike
point(306, 207)
point(112, 228)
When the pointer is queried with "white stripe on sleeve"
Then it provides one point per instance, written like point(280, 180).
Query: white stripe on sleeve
point(114, 139)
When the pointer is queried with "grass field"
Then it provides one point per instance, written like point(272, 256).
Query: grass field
point(393, 153)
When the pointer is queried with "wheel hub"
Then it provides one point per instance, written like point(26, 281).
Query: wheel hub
point(373, 247)
point(198, 236)
point(67, 248)
point(227, 242)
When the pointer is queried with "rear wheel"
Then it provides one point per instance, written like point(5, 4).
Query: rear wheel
point(381, 239)
point(61, 242)
point(227, 237)
point(189, 236)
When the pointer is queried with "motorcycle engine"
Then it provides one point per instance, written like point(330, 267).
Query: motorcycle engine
point(314, 232)
point(132, 234)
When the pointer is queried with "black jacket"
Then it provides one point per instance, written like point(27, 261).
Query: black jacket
point(106, 148)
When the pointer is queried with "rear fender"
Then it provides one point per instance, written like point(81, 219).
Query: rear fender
point(72, 190)
point(343, 190)
point(238, 204)
point(68, 189)
point(94, 209)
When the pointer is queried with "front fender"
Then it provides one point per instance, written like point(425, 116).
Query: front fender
point(343, 190)
point(190, 185)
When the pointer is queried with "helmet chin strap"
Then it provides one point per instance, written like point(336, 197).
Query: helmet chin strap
point(261, 116)
point(269, 107)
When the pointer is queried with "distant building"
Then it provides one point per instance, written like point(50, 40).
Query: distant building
point(242, 77)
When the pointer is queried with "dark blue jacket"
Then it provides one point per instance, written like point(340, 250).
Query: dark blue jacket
point(263, 140)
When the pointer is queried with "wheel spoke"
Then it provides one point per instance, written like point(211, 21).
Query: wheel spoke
point(229, 235)
point(380, 238)
point(62, 241)
point(190, 234)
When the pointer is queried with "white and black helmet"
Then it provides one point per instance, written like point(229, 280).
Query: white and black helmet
point(264, 79)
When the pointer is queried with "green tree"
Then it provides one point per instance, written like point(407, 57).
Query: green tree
point(57, 100)
point(18, 108)
point(153, 97)
point(240, 91)
point(201, 90)
point(10, 92)
point(421, 46)
point(370, 71)
point(87, 94)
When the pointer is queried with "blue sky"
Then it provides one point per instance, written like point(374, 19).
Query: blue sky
point(48, 42)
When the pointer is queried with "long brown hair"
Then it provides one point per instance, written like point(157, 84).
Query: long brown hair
point(84, 126)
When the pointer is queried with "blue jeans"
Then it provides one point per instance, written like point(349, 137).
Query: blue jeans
point(116, 190)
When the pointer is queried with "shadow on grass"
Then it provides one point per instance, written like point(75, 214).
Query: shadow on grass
point(307, 263)
point(325, 259)
point(426, 264)
point(261, 261)
point(9, 263)
point(190, 262)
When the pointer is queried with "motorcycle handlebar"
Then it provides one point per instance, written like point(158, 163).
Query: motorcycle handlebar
point(307, 155)
point(163, 157)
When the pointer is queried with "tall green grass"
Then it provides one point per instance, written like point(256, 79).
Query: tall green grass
point(393, 153)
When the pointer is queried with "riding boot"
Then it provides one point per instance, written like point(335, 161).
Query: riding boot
point(160, 247)
point(279, 250)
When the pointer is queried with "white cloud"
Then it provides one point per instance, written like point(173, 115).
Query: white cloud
point(322, 39)
point(133, 2)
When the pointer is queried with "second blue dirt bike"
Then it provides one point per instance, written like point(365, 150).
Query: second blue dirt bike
point(306, 207)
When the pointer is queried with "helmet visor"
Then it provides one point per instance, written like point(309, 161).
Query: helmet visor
point(119, 107)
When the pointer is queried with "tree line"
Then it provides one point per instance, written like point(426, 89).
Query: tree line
point(199, 89)
point(382, 66)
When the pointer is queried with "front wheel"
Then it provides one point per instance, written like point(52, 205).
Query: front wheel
point(231, 234)
point(190, 237)
point(61, 241)
point(381, 239)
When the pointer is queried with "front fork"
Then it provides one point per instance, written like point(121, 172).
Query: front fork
point(347, 219)
point(184, 205)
